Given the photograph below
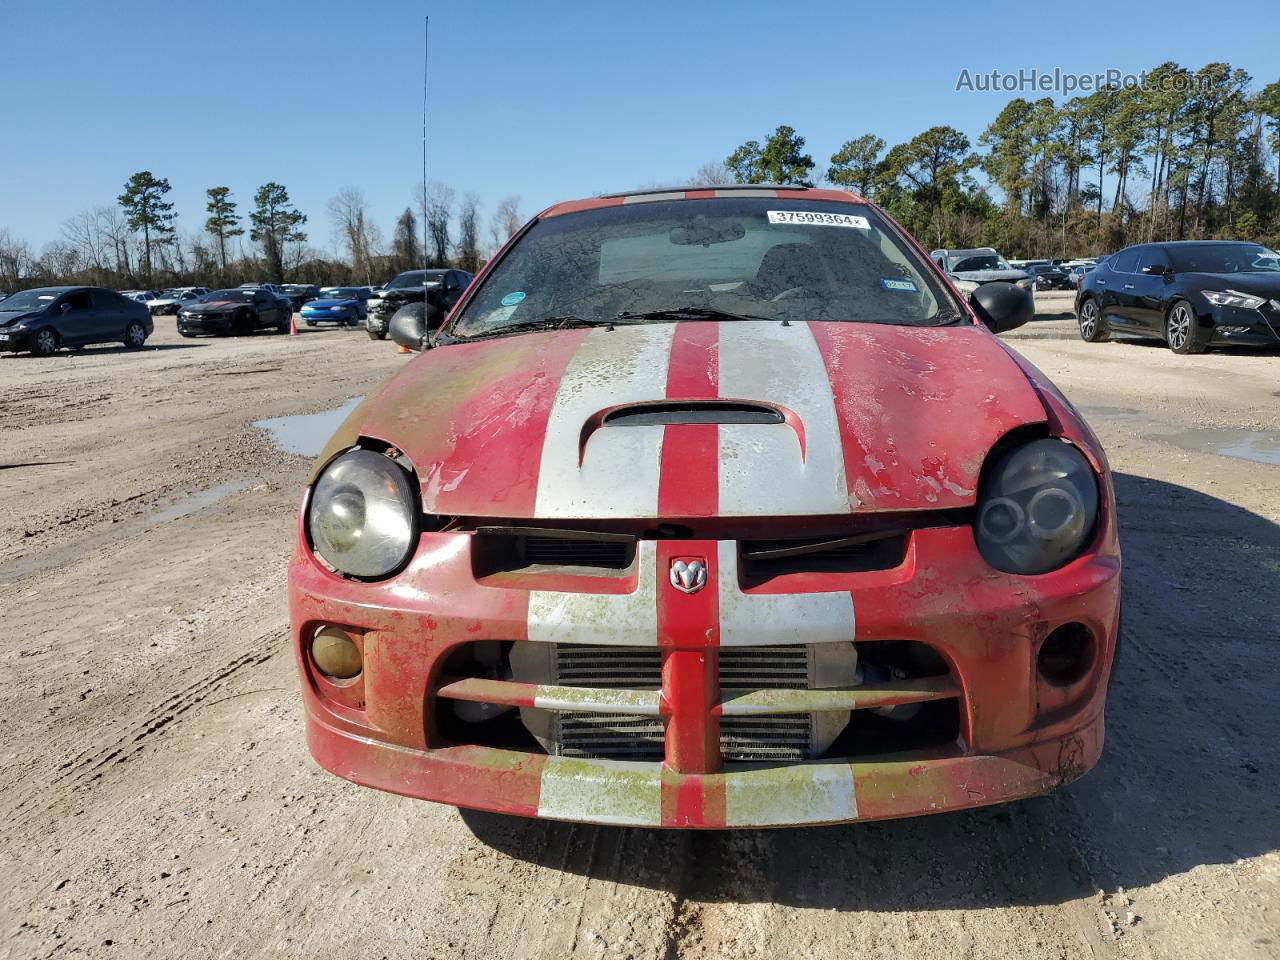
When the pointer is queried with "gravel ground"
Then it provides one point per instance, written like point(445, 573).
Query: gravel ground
point(158, 799)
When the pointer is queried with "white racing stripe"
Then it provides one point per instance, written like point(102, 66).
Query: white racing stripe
point(752, 620)
point(619, 473)
point(601, 791)
point(614, 619)
point(762, 472)
point(804, 793)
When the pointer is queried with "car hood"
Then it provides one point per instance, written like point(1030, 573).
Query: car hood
point(326, 304)
point(874, 418)
point(1260, 284)
point(987, 276)
point(10, 317)
point(215, 306)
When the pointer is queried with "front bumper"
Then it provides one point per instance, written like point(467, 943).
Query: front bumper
point(1240, 327)
point(328, 316)
point(215, 324)
point(1019, 735)
point(14, 340)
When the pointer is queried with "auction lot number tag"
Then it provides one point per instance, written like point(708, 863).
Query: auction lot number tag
point(819, 219)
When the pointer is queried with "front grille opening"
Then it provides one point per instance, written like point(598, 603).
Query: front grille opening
point(537, 550)
point(906, 727)
point(487, 725)
point(762, 560)
point(766, 739)
point(936, 724)
point(612, 668)
point(750, 668)
point(608, 736)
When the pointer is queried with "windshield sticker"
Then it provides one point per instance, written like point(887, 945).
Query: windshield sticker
point(511, 299)
point(902, 286)
point(819, 219)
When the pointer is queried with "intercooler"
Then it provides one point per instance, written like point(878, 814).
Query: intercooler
point(763, 738)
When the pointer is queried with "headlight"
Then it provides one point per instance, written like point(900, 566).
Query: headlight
point(1027, 283)
point(1037, 508)
point(1233, 298)
point(363, 515)
point(965, 286)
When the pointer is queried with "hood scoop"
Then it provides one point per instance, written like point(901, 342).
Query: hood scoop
point(666, 412)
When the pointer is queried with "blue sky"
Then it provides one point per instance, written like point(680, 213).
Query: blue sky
point(549, 101)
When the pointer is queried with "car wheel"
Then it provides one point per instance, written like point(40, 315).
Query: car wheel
point(282, 327)
point(45, 343)
point(1182, 330)
point(135, 335)
point(377, 335)
point(1093, 328)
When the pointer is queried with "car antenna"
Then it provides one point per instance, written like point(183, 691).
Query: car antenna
point(426, 36)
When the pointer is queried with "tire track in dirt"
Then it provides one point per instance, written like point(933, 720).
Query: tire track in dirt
point(88, 766)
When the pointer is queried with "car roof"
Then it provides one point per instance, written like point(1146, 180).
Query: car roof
point(651, 195)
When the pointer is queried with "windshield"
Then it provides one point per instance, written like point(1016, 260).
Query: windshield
point(766, 258)
point(28, 300)
point(985, 261)
point(340, 293)
point(415, 278)
point(237, 296)
point(1224, 258)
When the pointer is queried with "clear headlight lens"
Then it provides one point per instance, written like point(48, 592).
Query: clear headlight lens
point(1233, 298)
point(1027, 283)
point(966, 286)
point(1037, 508)
point(363, 515)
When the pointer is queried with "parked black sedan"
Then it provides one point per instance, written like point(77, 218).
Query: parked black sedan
point(46, 319)
point(236, 312)
point(1050, 276)
point(1193, 294)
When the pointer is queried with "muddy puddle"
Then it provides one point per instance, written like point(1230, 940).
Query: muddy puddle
point(306, 434)
point(1258, 446)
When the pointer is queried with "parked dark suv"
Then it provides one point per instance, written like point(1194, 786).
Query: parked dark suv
point(300, 293)
point(438, 289)
point(46, 319)
point(1192, 294)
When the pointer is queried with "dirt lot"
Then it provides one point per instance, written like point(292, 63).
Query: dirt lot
point(158, 799)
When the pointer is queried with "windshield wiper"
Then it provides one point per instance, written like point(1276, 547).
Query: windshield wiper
point(563, 322)
point(945, 317)
point(690, 313)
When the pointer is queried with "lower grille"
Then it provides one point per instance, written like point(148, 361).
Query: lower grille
point(610, 736)
point(627, 737)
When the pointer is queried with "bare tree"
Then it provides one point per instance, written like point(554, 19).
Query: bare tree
point(436, 204)
point(469, 233)
point(713, 173)
point(16, 260)
point(85, 233)
point(505, 222)
point(347, 211)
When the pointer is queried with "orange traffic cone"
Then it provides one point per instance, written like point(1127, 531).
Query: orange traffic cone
point(403, 349)
point(293, 325)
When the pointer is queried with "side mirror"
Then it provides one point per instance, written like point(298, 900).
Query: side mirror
point(408, 328)
point(1003, 306)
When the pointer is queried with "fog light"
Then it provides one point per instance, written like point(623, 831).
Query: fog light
point(1066, 654)
point(335, 654)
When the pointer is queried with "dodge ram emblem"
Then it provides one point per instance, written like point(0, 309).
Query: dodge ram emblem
point(688, 575)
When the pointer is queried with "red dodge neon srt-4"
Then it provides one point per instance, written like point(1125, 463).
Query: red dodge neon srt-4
point(711, 508)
